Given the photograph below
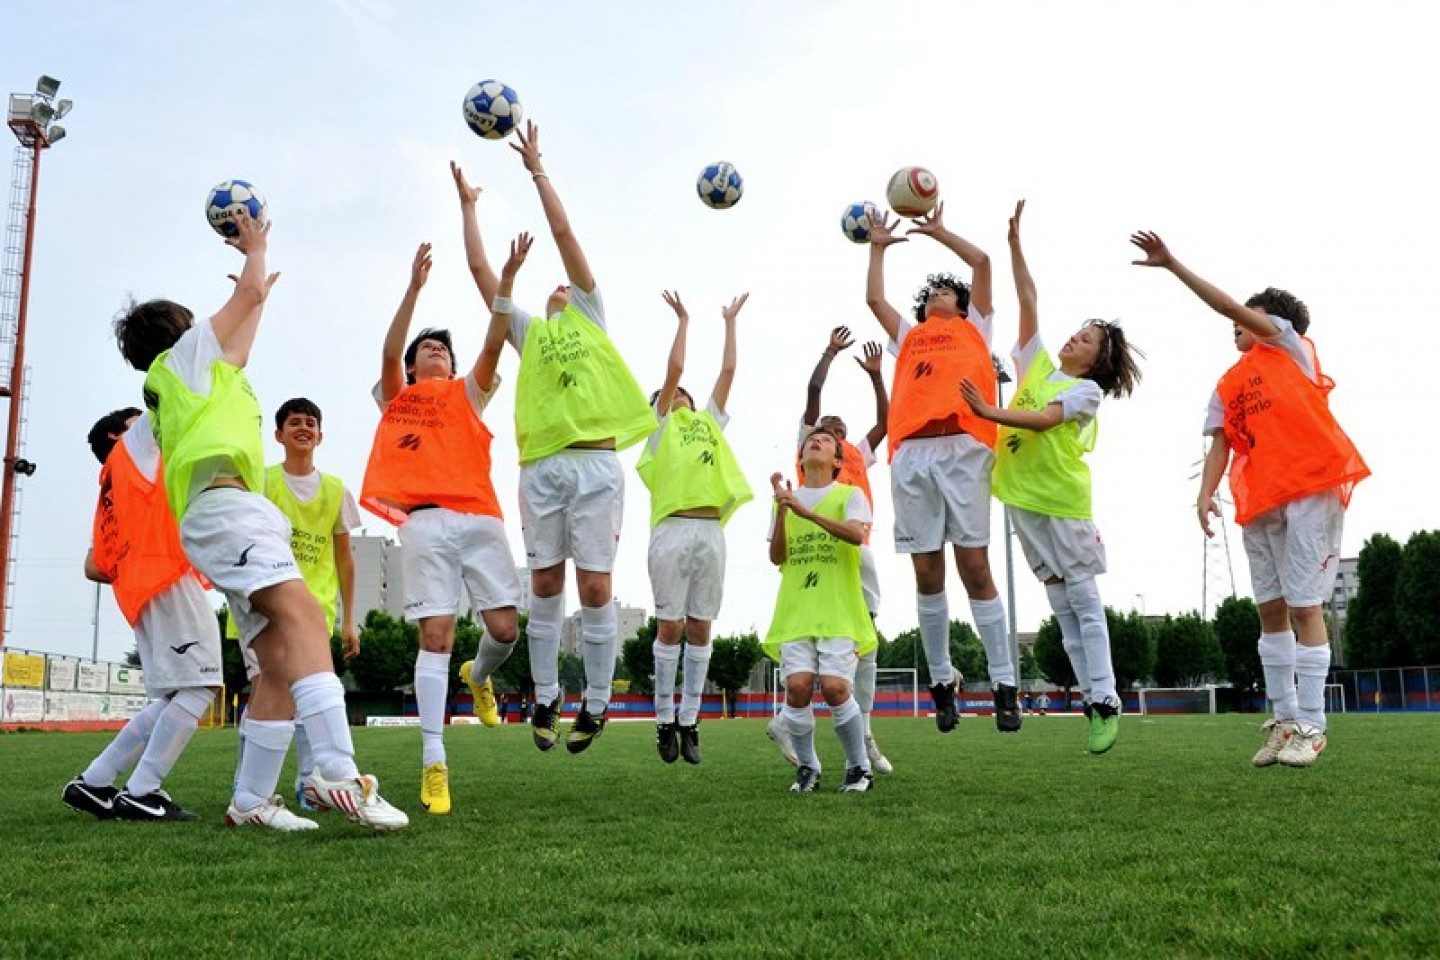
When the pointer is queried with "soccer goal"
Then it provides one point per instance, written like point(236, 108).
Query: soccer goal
point(897, 690)
point(1334, 698)
point(1163, 700)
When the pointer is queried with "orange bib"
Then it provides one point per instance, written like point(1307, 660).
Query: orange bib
point(934, 358)
point(134, 537)
point(430, 448)
point(1283, 439)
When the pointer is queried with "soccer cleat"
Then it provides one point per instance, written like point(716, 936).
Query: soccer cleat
point(151, 806)
point(358, 798)
point(666, 741)
point(690, 743)
point(584, 731)
point(878, 761)
point(1302, 748)
point(807, 780)
point(1104, 726)
point(776, 731)
point(302, 801)
point(545, 724)
point(946, 713)
point(1277, 735)
point(1007, 713)
point(99, 802)
point(271, 814)
point(484, 693)
point(435, 789)
point(857, 780)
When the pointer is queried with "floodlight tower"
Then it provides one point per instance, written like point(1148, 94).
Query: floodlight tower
point(32, 118)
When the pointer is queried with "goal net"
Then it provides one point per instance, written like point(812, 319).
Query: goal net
point(1334, 698)
point(897, 691)
point(1166, 700)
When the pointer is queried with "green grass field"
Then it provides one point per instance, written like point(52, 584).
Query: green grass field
point(979, 845)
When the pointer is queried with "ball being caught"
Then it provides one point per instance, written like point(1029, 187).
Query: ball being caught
point(231, 200)
point(492, 110)
point(855, 221)
point(720, 186)
point(912, 191)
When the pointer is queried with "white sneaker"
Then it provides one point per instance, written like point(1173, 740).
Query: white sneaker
point(1277, 734)
point(1302, 748)
point(776, 731)
point(358, 798)
point(878, 762)
point(271, 813)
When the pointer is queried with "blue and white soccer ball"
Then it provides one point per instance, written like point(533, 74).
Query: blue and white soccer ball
point(720, 186)
point(230, 200)
point(855, 221)
point(492, 110)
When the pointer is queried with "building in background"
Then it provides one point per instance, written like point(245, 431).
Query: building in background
point(1347, 584)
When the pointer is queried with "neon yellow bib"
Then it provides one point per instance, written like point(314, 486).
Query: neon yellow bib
point(573, 387)
point(820, 593)
point(224, 424)
point(1044, 472)
point(692, 466)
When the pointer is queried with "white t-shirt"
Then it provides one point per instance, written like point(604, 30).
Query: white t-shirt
point(587, 302)
point(1079, 403)
point(856, 508)
point(982, 322)
point(867, 455)
point(306, 488)
point(190, 359)
point(1289, 341)
point(722, 420)
point(479, 399)
point(140, 443)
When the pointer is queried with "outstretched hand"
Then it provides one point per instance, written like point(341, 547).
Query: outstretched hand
point(882, 230)
point(251, 235)
point(519, 248)
point(1014, 236)
point(975, 399)
point(733, 311)
point(529, 148)
point(269, 282)
point(420, 267)
point(468, 194)
point(672, 299)
point(870, 362)
point(1203, 512)
point(1156, 253)
point(930, 224)
point(840, 339)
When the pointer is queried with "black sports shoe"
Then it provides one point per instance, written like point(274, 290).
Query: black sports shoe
point(1007, 711)
point(666, 742)
point(690, 742)
point(807, 779)
point(150, 806)
point(584, 731)
point(99, 802)
point(545, 724)
point(946, 715)
point(857, 780)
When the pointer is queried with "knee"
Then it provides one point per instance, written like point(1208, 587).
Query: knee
point(697, 633)
point(1274, 616)
point(437, 635)
point(595, 590)
point(974, 566)
point(835, 690)
point(799, 688)
point(929, 572)
point(548, 582)
point(669, 632)
point(506, 633)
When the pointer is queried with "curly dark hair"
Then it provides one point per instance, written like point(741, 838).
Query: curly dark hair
point(300, 405)
point(439, 335)
point(949, 282)
point(1283, 304)
point(656, 396)
point(115, 422)
point(146, 330)
point(1115, 369)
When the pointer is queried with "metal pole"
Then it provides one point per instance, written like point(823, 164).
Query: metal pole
point(95, 624)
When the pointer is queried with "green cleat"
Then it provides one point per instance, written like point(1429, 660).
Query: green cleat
point(584, 731)
point(1104, 726)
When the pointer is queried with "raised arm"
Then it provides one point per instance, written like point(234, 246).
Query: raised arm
point(238, 320)
point(392, 352)
point(720, 393)
point(1159, 255)
point(840, 339)
point(1038, 420)
point(881, 237)
point(577, 268)
point(479, 264)
point(870, 363)
point(1024, 283)
point(501, 309)
point(1216, 460)
point(781, 487)
point(345, 567)
point(933, 225)
point(675, 366)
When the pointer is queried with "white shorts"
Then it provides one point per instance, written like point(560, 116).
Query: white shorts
point(941, 491)
point(687, 568)
point(241, 543)
point(1059, 546)
point(444, 552)
point(827, 656)
point(178, 638)
point(571, 505)
point(1294, 550)
point(869, 580)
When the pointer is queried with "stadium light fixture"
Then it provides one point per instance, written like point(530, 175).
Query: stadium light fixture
point(55, 134)
point(47, 87)
point(62, 108)
point(41, 112)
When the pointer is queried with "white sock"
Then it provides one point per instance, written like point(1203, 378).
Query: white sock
point(122, 752)
point(432, 686)
point(168, 740)
point(990, 624)
point(1312, 665)
point(800, 721)
point(1070, 635)
point(667, 664)
point(865, 684)
point(491, 655)
point(599, 631)
point(320, 706)
point(304, 757)
point(1277, 656)
point(542, 632)
point(850, 728)
point(266, 743)
point(933, 612)
point(697, 668)
point(1085, 600)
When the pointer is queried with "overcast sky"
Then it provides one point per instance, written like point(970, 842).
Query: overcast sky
point(1291, 144)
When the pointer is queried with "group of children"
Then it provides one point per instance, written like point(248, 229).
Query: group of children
point(185, 499)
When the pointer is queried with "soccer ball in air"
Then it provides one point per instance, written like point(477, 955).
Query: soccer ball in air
point(912, 191)
point(855, 221)
point(230, 200)
point(491, 109)
point(720, 186)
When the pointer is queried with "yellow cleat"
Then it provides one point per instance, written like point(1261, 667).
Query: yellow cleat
point(435, 789)
point(484, 693)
